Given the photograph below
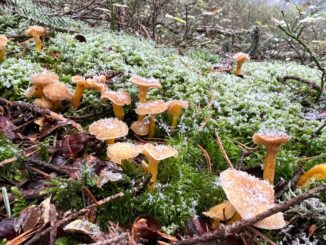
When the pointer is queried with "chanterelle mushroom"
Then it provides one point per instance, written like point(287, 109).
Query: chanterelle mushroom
point(39, 81)
point(155, 154)
point(3, 44)
point(108, 129)
point(118, 99)
point(240, 58)
point(251, 196)
point(151, 108)
point(36, 32)
point(56, 92)
point(140, 128)
point(81, 85)
point(272, 141)
point(143, 85)
point(175, 107)
point(316, 172)
point(123, 151)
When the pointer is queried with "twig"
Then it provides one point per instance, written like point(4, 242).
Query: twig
point(73, 216)
point(207, 157)
point(309, 83)
point(220, 146)
point(224, 231)
point(263, 236)
point(49, 166)
point(291, 184)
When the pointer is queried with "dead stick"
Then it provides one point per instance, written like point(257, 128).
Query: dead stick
point(220, 146)
point(224, 231)
point(292, 183)
point(112, 240)
point(74, 216)
point(307, 82)
point(48, 166)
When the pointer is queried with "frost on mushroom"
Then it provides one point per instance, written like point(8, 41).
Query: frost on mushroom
point(175, 108)
point(120, 151)
point(36, 32)
point(143, 85)
point(118, 99)
point(251, 196)
point(108, 129)
point(240, 58)
point(151, 108)
point(155, 154)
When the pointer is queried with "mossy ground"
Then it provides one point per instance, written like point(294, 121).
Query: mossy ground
point(235, 107)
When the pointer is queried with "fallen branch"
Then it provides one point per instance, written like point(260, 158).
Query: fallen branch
point(291, 184)
point(302, 80)
point(224, 231)
point(73, 216)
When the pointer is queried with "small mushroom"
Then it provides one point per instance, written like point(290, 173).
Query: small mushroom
point(3, 44)
point(175, 108)
point(221, 212)
point(120, 151)
point(151, 108)
point(143, 85)
point(251, 196)
point(43, 103)
point(108, 129)
point(57, 92)
point(118, 99)
point(240, 58)
point(316, 172)
point(36, 32)
point(272, 142)
point(140, 128)
point(155, 154)
point(39, 81)
point(81, 85)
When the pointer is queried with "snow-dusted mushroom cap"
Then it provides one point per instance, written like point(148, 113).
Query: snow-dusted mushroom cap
point(223, 211)
point(251, 196)
point(241, 57)
point(108, 128)
point(43, 103)
point(78, 79)
point(172, 104)
point(270, 138)
point(119, 98)
point(57, 92)
point(123, 151)
point(35, 31)
point(44, 78)
point(151, 108)
point(146, 82)
point(33, 91)
point(160, 152)
point(140, 128)
point(3, 41)
point(100, 79)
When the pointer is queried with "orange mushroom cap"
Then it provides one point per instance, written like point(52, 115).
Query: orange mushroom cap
point(78, 79)
point(251, 196)
point(43, 103)
point(57, 91)
point(108, 128)
point(123, 151)
point(44, 78)
point(140, 128)
point(160, 152)
point(35, 31)
point(100, 78)
point(172, 104)
point(151, 108)
point(146, 82)
point(241, 57)
point(120, 98)
point(3, 41)
point(270, 138)
point(223, 211)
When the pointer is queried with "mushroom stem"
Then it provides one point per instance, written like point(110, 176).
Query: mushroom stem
point(118, 111)
point(269, 164)
point(38, 43)
point(110, 141)
point(151, 130)
point(141, 117)
point(175, 118)
point(238, 68)
point(55, 105)
point(153, 169)
point(142, 94)
point(77, 96)
point(2, 55)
